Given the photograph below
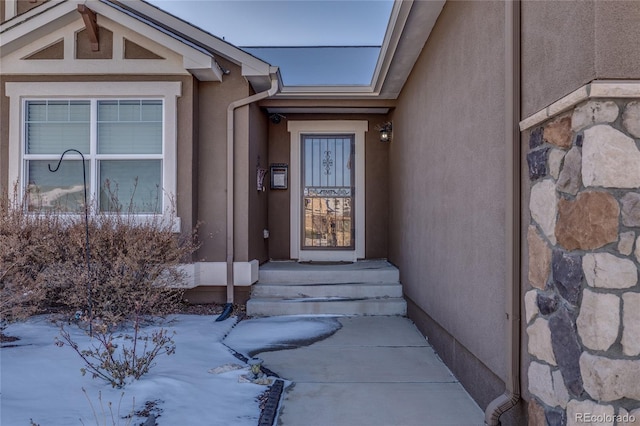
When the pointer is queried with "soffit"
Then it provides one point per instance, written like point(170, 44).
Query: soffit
point(327, 106)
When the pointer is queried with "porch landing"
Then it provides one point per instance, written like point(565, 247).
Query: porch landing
point(368, 287)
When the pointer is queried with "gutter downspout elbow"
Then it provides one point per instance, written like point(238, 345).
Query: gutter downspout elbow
point(500, 405)
point(230, 179)
point(511, 396)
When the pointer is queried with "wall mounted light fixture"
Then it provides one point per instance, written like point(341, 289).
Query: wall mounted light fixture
point(385, 130)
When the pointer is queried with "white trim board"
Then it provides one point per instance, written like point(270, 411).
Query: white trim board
point(624, 89)
point(297, 129)
point(215, 273)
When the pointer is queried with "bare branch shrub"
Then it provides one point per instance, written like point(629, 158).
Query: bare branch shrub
point(29, 245)
point(134, 266)
point(115, 357)
point(134, 263)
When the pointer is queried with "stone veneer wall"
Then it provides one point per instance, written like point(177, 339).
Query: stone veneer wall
point(583, 307)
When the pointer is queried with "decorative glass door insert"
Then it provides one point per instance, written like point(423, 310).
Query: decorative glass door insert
point(328, 191)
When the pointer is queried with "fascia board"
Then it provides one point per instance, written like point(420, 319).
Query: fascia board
point(203, 71)
point(262, 69)
point(326, 91)
point(261, 82)
point(249, 63)
point(414, 33)
point(397, 21)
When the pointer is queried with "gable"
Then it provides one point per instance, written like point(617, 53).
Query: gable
point(135, 51)
point(53, 51)
point(68, 51)
point(64, 43)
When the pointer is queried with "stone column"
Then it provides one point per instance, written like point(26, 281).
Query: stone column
point(583, 302)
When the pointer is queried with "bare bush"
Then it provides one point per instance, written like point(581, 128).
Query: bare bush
point(134, 266)
point(134, 263)
point(29, 245)
point(116, 357)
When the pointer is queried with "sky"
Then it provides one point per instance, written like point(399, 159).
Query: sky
point(287, 22)
point(199, 385)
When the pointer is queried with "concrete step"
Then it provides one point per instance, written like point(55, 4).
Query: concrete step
point(359, 272)
point(262, 307)
point(356, 290)
point(368, 287)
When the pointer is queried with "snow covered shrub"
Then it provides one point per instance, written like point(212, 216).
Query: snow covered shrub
point(115, 356)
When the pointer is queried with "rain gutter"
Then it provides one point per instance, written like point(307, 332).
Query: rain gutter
point(230, 174)
point(511, 396)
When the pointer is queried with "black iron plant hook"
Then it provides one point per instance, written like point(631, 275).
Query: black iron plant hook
point(86, 229)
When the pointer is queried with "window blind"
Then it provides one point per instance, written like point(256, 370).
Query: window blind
point(53, 126)
point(130, 127)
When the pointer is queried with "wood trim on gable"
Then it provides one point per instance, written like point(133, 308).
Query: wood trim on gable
point(91, 25)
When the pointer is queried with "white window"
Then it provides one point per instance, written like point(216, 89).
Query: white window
point(126, 133)
point(121, 141)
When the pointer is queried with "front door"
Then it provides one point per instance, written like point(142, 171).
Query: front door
point(327, 190)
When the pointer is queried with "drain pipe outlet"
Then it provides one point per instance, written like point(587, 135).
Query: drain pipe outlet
point(230, 171)
point(511, 396)
point(226, 312)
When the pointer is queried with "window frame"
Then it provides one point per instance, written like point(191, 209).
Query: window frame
point(167, 91)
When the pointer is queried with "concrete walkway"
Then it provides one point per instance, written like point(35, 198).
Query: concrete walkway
point(373, 371)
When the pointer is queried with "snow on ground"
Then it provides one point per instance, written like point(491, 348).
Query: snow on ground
point(253, 336)
point(42, 382)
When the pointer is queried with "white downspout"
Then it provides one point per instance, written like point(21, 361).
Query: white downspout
point(230, 171)
point(511, 395)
